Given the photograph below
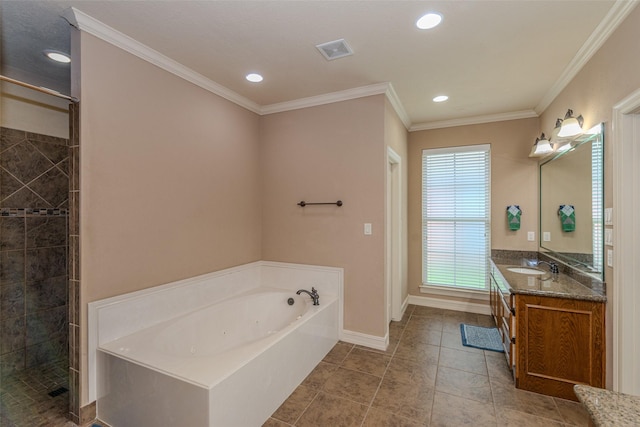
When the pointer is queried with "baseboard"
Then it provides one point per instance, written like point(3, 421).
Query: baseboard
point(405, 305)
point(469, 307)
point(371, 341)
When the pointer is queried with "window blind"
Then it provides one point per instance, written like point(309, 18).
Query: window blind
point(456, 216)
point(597, 202)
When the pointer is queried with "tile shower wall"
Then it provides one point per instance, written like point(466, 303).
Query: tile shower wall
point(34, 192)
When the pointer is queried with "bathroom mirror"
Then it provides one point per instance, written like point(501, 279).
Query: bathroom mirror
point(572, 205)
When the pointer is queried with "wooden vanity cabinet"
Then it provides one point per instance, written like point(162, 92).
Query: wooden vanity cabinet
point(551, 343)
point(560, 342)
point(502, 310)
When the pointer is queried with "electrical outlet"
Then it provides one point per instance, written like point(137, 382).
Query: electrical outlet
point(546, 236)
point(531, 236)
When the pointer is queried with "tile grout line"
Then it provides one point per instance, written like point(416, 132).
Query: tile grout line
point(383, 374)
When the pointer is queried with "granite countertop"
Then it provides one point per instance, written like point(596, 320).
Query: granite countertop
point(609, 408)
point(561, 286)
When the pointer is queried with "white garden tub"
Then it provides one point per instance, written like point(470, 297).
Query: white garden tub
point(231, 363)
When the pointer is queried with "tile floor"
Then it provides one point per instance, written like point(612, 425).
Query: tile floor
point(24, 398)
point(425, 378)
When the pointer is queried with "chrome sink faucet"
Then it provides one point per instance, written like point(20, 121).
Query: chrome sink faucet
point(313, 294)
point(553, 267)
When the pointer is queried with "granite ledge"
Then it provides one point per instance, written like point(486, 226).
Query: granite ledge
point(560, 286)
point(609, 408)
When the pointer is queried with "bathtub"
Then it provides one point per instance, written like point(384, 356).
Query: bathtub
point(228, 363)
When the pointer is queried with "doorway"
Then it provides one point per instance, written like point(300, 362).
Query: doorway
point(35, 164)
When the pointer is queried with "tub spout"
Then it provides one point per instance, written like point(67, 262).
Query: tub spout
point(313, 294)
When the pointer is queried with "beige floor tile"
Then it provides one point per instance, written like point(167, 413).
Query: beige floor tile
point(463, 384)
point(407, 400)
point(512, 418)
point(272, 422)
point(509, 397)
point(319, 375)
point(425, 353)
point(456, 411)
point(454, 340)
point(498, 368)
point(451, 326)
point(326, 410)
point(460, 317)
point(366, 361)
point(395, 329)
point(379, 418)
point(338, 353)
point(426, 336)
point(425, 322)
point(427, 311)
point(295, 404)
point(412, 372)
point(572, 412)
point(463, 360)
point(353, 385)
point(486, 321)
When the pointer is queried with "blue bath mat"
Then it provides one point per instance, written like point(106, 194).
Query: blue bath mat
point(481, 337)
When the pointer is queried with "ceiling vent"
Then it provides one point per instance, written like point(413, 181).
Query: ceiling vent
point(335, 49)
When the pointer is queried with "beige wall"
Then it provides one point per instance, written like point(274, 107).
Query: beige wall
point(514, 181)
point(611, 75)
point(32, 111)
point(170, 184)
point(322, 154)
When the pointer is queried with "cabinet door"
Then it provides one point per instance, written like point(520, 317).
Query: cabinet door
point(560, 343)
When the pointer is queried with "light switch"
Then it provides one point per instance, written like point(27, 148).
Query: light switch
point(608, 236)
point(610, 257)
point(546, 236)
point(367, 228)
point(608, 216)
point(531, 236)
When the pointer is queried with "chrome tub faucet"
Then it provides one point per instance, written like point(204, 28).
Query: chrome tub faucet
point(313, 294)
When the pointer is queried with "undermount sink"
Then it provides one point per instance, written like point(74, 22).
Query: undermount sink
point(525, 270)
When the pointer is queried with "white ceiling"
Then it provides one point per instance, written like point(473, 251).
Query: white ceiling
point(490, 57)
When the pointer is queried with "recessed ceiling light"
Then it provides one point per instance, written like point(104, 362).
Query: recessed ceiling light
point(428, 21)
point(254, 78)
point(440, 98)
point(57, 56)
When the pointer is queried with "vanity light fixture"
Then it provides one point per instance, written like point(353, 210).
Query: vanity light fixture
point(429, 21)
point(556, 130)
point(571, 126)
point(562, 146)
point(254, 78)
point(57, 56)
point(541, 147)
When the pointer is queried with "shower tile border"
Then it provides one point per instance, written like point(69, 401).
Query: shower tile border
point(24, 212)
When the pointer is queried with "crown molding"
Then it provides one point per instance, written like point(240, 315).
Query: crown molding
point(489, 118)
point(395, 102)
point(92, 26)
point(618, 13)
point(328, 98)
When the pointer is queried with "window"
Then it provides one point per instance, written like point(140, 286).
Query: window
point(456, 217)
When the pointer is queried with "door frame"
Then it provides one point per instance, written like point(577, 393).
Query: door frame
point(625, 295)
point(393, 237)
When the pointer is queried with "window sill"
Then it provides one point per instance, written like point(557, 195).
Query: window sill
point(458, 293)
